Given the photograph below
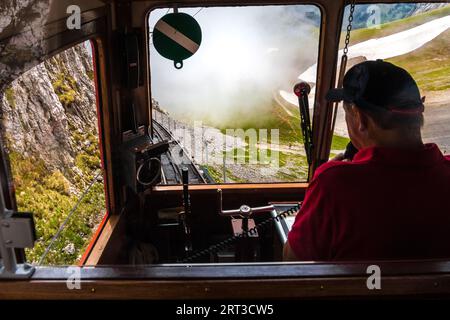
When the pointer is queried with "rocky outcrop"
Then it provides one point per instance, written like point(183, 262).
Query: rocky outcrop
point(26, 20)
point(49, 112)
point(424, 7)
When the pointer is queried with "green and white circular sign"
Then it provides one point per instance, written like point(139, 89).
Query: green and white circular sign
point(177, 36)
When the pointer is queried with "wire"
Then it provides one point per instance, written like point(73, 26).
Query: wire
point(198, 11)
point(156, 176)
point(63, 225)
point(192, 15)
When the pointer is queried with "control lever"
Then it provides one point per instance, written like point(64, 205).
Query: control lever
point(302, 90)
point(246, 246)
point(244, 211)
point(184, 216)
point(350, 151)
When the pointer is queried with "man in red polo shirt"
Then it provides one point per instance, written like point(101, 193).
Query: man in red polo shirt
point(392, 201)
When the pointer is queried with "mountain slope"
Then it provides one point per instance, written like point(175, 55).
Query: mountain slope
point(395, 26)
point(430, 64)
point(388, 12)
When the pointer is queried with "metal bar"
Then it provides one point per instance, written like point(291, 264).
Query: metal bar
point(332, 15)
point(8, 256)
point(279, 228)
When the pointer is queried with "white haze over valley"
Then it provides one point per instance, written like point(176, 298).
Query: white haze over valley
point(246, 54)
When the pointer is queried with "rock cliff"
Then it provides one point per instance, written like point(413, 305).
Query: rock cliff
point(49, 113)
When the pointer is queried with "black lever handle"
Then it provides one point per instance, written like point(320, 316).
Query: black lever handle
point(350, 151)
point(301, 90)
point(185, 215)
point(185, 180)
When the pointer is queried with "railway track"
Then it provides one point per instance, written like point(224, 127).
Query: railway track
point(175, 159)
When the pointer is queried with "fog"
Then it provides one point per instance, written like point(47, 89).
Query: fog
point(246, 55)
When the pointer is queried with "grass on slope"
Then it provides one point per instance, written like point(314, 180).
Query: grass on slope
point(339, 143)
point(272, 117)
point(430, 64)
point(47, 195)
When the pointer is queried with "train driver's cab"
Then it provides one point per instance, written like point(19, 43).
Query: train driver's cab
point(174, 142)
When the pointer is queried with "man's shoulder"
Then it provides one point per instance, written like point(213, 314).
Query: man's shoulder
point(333, 168)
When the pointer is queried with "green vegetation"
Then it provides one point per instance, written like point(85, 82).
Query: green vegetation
point(231, 177)
point(242, 155)
point(64, 87)
point(47, 195)
point(214, 173)
point(9, 94)
point(88, 159)
point(339, 143)
point(75, 237)
point(293, 167)
point(57, 182)
point(90, 74)
point(270, 117)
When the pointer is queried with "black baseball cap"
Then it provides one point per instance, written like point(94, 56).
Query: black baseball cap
point(379, 85)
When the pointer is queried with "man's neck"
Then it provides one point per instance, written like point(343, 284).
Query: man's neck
point(398, 139)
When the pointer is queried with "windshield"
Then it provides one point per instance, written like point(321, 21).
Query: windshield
point(231, 106)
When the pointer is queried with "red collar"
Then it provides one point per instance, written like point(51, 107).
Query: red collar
point(427, 156)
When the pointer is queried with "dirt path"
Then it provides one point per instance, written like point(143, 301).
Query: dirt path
point(437, 120)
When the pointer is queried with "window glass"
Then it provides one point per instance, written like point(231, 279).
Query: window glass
point(50, 131)
point(231, 107)
point(415, 37)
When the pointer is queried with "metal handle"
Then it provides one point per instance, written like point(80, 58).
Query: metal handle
point(244, 211)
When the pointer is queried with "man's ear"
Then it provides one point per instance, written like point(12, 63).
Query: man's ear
point(361, 118)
